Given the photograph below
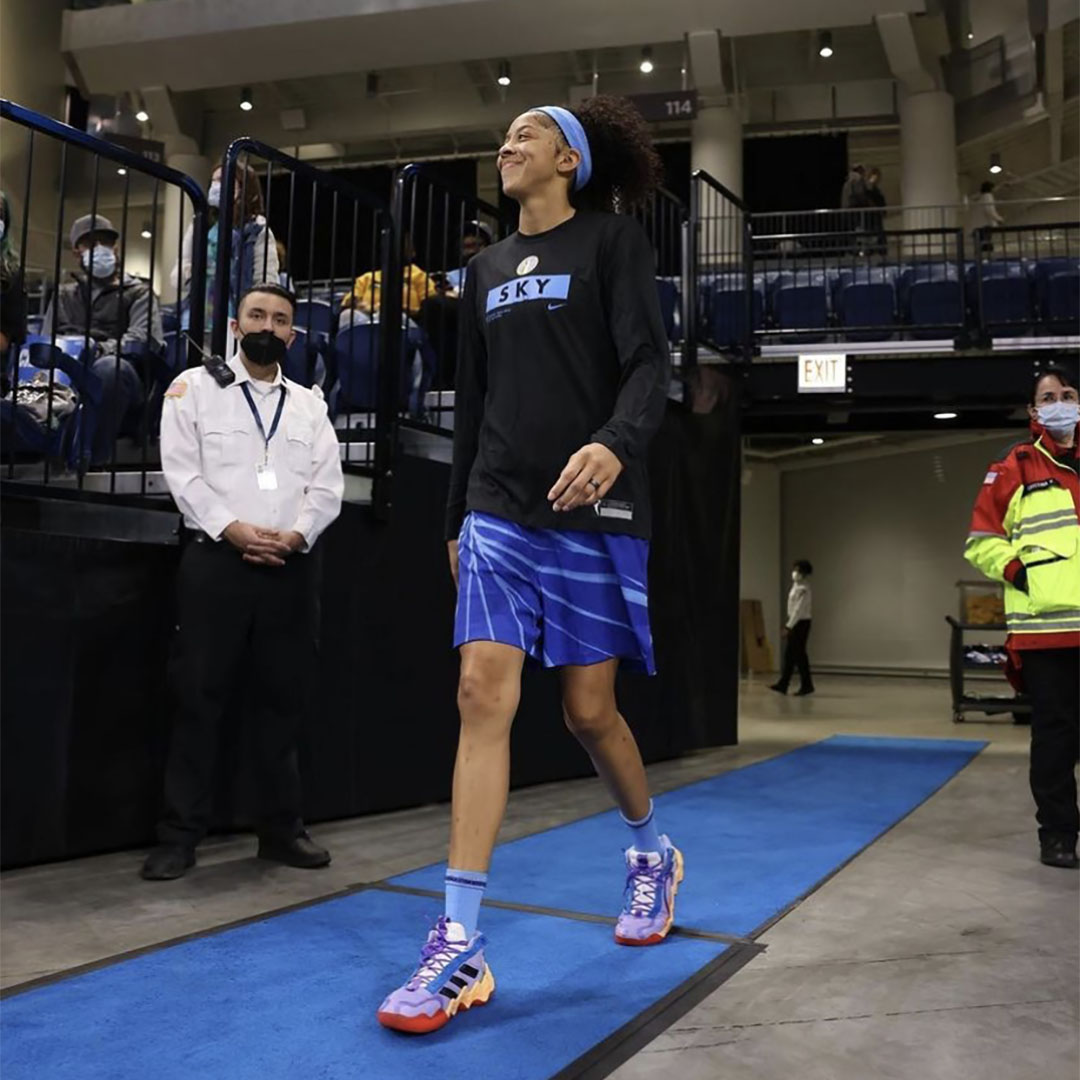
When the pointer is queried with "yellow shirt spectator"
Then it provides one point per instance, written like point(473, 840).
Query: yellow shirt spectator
point(366, 292)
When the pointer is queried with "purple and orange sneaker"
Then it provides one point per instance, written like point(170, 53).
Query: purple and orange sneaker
point(652, 880)
point(451, 976)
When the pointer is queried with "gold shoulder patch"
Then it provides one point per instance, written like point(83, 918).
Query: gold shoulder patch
point(178, 388)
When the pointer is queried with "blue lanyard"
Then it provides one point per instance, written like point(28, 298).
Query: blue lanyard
point(258, 418)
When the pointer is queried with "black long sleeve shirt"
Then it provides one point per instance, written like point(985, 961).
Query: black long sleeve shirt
point(562, 343)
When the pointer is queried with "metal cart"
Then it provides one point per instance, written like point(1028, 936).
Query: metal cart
point(981, 610)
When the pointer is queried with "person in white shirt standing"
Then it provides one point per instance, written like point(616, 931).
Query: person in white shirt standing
point(796, 631)
point(254, 466)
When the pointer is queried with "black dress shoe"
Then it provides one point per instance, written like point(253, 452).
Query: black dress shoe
point(168, 862)
point(1059, 851)
point(300, 851)
point(803, 691)
point(778, 688)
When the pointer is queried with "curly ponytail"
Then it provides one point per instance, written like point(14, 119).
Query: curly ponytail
point(626, 167)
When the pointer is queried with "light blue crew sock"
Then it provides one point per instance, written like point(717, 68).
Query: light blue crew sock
point(646, 836)
point(464, 891)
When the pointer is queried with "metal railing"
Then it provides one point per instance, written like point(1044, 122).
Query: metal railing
point(346, 236)
point(92, 380)
point(665, 219)
point(722, 309)
point(439, 228)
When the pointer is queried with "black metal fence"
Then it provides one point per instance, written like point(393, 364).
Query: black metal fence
point(439, 229)
point(724, 308)
point(345, 340)
point(665, 219)
point(83, 379)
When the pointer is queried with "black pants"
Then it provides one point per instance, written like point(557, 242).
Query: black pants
point(795, 657)
point(247, 625)
point(1052, 681)
point(438, 316)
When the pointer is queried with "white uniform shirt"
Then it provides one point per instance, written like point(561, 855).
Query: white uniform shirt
point(211, 446)
point(798, 603)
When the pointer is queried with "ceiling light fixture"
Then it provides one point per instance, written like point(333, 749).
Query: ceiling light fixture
point(246, 104)
point(140, 113)
point(824, 43)
point(146, 231)
point(995, 163)
point(504, 73)
point(945, 416)
point(121, 171)
point(646, 66)
point(818, 442)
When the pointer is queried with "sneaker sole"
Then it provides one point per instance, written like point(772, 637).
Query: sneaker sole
point(480, 993)
point(655, 939)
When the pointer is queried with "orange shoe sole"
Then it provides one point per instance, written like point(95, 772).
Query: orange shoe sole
point(655, 939)
point(480, 994)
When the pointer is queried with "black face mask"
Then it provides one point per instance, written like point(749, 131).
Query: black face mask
point(264, 348)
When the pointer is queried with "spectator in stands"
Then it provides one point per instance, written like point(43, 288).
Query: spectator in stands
point(797, 631)
point(874, 218)
point(253, 253)
point(1024, 534)
point(363, 302)
point(122, 319)
point(12, 285)
point(984, 215)
point(475, 238)
point(438, 315)
point(255, 468)
point(284, 277)
point(853, 193)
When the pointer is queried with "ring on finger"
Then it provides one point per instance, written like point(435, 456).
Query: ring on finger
point(595, 485)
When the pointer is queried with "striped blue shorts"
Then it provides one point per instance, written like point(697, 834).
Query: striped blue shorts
point(563, 598)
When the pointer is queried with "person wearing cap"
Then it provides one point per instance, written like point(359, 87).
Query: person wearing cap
point(475, 237)
point(122, 318)
point(255, 468)
point(563, 373)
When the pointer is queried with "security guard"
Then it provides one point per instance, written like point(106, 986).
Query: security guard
point(253, 463)
point(1025, 532)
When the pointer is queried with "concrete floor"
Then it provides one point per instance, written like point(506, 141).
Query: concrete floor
point(943, 952)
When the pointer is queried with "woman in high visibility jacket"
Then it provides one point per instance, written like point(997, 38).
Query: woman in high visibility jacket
point(1025, 533)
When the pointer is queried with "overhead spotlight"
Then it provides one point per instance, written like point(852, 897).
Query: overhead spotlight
point(818, 442)
point(372, 89)
point(121, 171)
point(995, 163)
point(824, 44)
point(945, 416)
point(245, 99)
point(646, 66)
point(504, 73)
point(140, 113)
point(971, 35)
point(146, 231)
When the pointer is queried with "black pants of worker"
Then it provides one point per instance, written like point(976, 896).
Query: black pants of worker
point(1052, 682)
point(247, 626)
point(438, 316)
point(795, 657)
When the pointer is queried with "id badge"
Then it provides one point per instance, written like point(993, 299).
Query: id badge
point(266, 477)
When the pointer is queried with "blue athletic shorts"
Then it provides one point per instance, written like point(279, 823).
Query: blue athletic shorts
point(561, 597)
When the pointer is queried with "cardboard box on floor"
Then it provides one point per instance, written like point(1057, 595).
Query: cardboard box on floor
point(756, 652)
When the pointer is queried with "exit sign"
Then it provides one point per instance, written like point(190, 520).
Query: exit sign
point(823, 373)
point(675, 105)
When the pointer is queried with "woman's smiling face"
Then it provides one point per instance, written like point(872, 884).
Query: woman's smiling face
point(532, 154)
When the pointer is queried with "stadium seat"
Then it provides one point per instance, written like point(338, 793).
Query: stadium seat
point(727, 311)
point(669, 302)
point(802, 303)
point(1005, 294)
point(315, 317)
point(870, 304)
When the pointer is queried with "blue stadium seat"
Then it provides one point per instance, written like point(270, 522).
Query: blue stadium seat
point(1006, 294)
point(669, 302)
point(303, 362)
point(726, 306)
point(802, 304)
point(935, 303)
point(860, 303)
point(316, 318)
point(355, 359)
point(170, 320)
point(1056, 280)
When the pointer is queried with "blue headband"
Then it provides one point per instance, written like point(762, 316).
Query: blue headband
point(575, 136)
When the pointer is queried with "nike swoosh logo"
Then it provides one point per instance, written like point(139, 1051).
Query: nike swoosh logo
point(555, 307)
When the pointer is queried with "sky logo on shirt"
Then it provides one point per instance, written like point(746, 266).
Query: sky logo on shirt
point(551, 287)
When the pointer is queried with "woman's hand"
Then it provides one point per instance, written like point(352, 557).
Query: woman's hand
point(587, 478)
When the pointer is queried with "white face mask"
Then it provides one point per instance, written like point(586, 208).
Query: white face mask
point(104, 261)
point(1059, 417)
point(213, 196)
point(3, 228)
